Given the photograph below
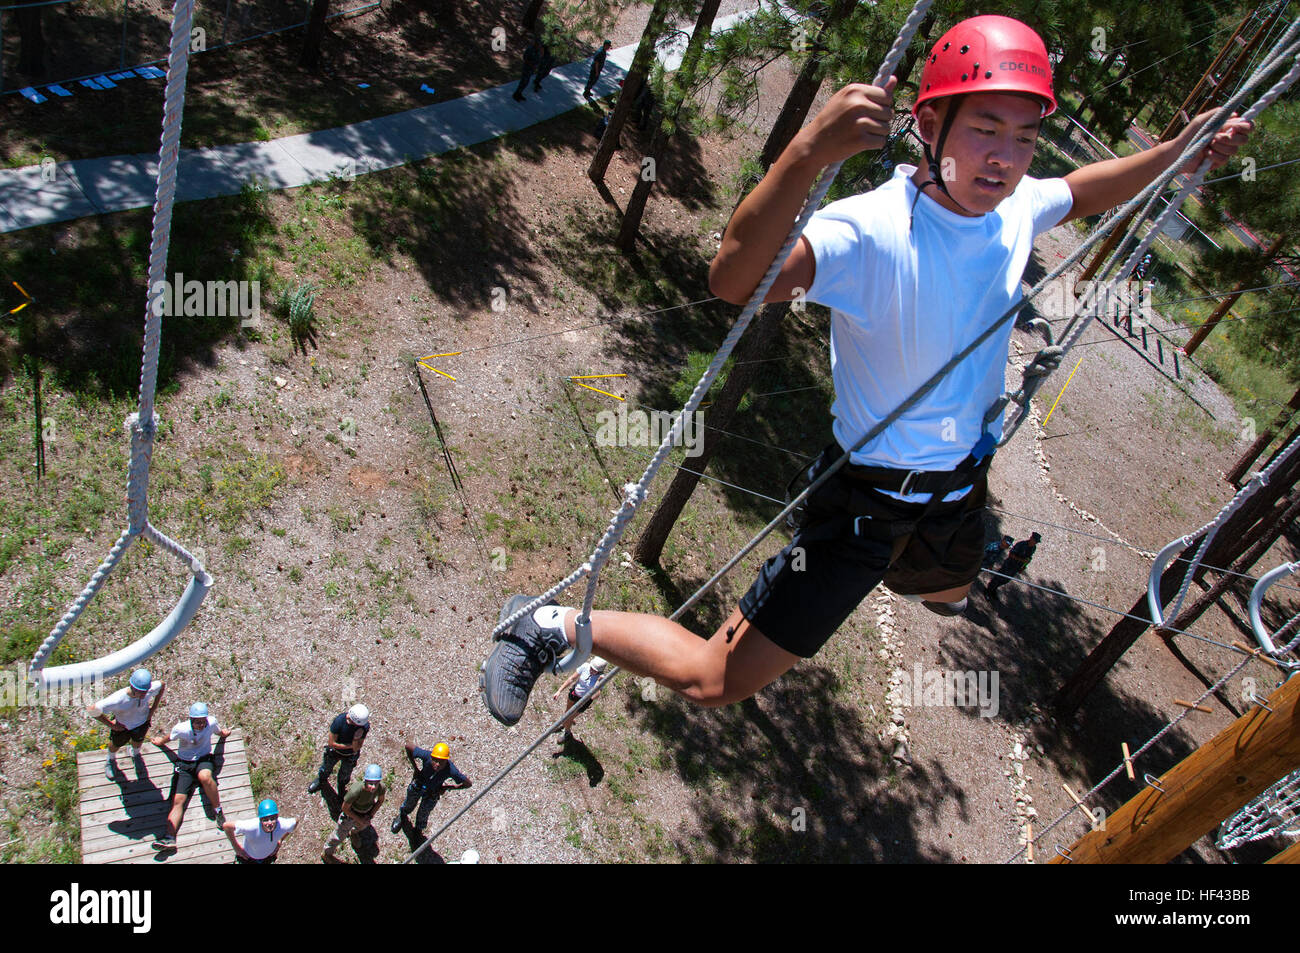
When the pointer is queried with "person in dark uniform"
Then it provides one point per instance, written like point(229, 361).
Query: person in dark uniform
point(1017, 561)
point(343, 746)
point(597, 64)
point(433, 768)
point(532, 60)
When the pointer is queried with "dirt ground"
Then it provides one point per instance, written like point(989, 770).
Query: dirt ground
point(372, 576)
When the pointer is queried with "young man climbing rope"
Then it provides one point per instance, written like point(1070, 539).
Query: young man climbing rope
point(913, 272)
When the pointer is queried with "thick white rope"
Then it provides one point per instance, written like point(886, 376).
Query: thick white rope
point(143, 425)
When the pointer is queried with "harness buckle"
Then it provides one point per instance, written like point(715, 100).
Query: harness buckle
point(908, 481)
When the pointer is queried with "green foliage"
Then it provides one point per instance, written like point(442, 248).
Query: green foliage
point(298, 308)
point(697, 362)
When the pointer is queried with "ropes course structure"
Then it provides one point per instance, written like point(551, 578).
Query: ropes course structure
point(143, 425)
point(1209, 530)
point(1118, 269)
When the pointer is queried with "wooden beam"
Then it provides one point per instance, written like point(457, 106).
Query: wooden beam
point(1289, 856)
point(1207, 786)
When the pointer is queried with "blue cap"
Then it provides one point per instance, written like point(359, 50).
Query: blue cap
point(267, 808)
point(199, 710)
point(374, 772)
point(141, 680)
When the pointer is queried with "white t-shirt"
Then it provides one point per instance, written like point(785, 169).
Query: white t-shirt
point(258, 844)
point(193, 744)
point(587, 679)
point(906, 293)
point(127, 711)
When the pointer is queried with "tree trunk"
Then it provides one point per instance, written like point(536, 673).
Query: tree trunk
point(636, 78)
point(758, 341)
point(310, 58)
point(531, 13)
point(31, 49)
point(683, 80)
point(800, 100)
point(631, 225)
point(1102, 73)
point(1252, 453)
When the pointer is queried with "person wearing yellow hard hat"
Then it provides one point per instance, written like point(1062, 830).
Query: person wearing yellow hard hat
point(433, 767)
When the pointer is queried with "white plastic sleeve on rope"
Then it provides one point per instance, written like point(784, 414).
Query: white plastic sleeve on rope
point(1262, 633)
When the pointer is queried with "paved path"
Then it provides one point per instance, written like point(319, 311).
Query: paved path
point(33, 196)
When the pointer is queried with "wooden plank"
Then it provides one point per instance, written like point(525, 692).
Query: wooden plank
point(91, 763)
point(1289, 856)
point(106, 826)
point(120, 819)
point(139, 792)
point(143, 804)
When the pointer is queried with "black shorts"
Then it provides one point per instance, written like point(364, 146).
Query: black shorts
point(586, 700)
point(134, 736)
point(852, 538)
point(186, 774)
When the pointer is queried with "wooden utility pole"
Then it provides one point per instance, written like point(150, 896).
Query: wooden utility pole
point(1203, 789)
point(1263, 440)
point(1204, 330)
point(1108, 244)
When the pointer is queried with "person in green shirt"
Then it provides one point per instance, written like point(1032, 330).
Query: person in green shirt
point(362, 801)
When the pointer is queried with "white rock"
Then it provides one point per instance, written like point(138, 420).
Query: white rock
point(280, 382)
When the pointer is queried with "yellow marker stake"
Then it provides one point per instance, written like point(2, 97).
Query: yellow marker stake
point(1058, 396)
point(29, 298)
point(434, 369)
point(592, 377)
point(599, 391)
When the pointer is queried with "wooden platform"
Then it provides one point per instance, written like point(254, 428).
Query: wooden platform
point(119, 819)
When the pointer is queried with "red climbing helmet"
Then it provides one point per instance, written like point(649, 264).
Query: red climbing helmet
point(988, 54)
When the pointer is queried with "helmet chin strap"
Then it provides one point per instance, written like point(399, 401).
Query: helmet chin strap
point(934, 159)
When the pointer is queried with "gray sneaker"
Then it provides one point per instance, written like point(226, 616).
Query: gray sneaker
point(110, 769)
point(520, 656)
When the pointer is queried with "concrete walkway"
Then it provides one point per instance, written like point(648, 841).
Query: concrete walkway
point(113, 184)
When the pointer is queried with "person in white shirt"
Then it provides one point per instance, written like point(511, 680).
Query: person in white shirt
point(127, 713)
point(195, 764)
point(261, 836)
point(580, 684)
point(913, 273)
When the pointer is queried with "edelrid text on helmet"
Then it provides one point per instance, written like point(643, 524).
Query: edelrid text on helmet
point(988, 54)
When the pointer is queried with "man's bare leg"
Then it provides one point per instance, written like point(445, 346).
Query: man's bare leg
point(732, 665)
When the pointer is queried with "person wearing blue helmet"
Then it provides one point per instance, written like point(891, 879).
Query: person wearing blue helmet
point(195, 764)
point(127, 713)
point(361, 803)
point(261, 836)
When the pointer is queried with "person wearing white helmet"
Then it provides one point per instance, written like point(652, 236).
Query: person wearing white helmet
point(195, 764)
point(127, 713)
point(361, 803)
point(580, 684)
point(347, 734)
